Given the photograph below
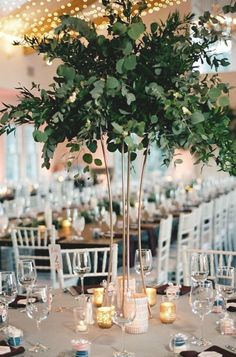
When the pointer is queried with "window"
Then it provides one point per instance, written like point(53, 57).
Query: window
point(21, 154)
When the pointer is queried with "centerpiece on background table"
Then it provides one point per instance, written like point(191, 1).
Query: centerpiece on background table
point(129, 90)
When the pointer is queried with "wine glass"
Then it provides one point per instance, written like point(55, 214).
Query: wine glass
point(81, 266)
point(124, 314)
point(201, 300)
point(78, 224)
point(199, 267)
point(38, 305)
point(145, 259)
point(225, 283)
point(107, 218)
point(26, 272)
point(8, 288)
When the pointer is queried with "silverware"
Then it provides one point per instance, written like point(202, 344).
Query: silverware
point(231, 348)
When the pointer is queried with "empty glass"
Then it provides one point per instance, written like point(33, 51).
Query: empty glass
point(225, 283)
point(201, 300)
point(8, 288)
point(78, 224)
point(145, 259)
point(26, 272)
point(125, 311)
point(38, 305)
point(199, 267)
point(81, 266)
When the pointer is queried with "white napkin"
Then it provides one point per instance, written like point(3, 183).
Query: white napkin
point(210, 354)
point(4, 349)
point(23, 301)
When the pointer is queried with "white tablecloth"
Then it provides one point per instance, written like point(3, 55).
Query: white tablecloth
point(57, 331)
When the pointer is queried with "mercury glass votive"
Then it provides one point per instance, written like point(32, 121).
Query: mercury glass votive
point(167, 311)
point(98, 296)
point(104, 316)
point(152, 296)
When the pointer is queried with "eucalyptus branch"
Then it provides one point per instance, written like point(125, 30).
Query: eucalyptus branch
point(110, 209)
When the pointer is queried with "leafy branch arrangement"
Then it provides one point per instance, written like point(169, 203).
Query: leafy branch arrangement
point(131, 83)
point(129, 89)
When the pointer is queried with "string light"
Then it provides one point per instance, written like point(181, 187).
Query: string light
point(27, 13)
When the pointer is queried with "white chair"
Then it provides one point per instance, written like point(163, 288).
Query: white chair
point(62, 262)
point(184, 239)
point(207, 225)
point(33, 243)
point(231, 221)
point(216, 258)
point(163, 249)
point(197, 227)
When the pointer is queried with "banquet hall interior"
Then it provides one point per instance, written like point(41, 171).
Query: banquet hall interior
point(109, 240)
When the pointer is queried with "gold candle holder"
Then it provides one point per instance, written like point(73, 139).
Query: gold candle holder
point(98, 296)
point(152, 296)
point(167, 311)
point(104, 316)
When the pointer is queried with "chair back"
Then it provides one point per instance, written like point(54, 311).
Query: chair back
point(215, 257)
point(207, 225)
point(163, 251)
point(197, 227)
point(99, 260)
point(33, 243)
point(231, 221)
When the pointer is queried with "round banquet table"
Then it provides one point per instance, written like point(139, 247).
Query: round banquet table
point(57, 331)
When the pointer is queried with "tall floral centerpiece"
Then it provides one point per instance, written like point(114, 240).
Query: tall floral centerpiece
point(129, 89)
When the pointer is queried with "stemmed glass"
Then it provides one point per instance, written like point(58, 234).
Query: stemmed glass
point(199, 267)
point(125, 311)
point(201, 300)
point(82, 266)
point(225, 283)
point(146, 260)
point(26, 272)
point(38, 305)
point(3, 223)
point(78, 224)
point(8, 288)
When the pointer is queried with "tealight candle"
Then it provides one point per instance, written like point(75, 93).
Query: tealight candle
point(152, 296)
point(82, 326)
point(98, 296)
point(104, 316)
point(66, 223)
point(167, 311)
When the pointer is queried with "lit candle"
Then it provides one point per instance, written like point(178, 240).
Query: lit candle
point(104, 316)
point(66, 223)
point(81, 326)
point(152, 296)
point(167, 311)
point(98, 296)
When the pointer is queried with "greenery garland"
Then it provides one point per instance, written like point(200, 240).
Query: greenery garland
point(132, 84)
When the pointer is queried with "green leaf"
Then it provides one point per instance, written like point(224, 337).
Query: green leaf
point(40, 136)
point(130, 98)
point(92, 146)
point(223, 101)
point(88, 158)
point(178, 161)
point(136, 30)
point(133, 156)
point(119, 28)
point(67, 72)
point(86, 169)
point(119, 66)
point(98, 162)
point(214, 93)
point(197, 117)
point(129, 142)
point(154, 27)
point(112, 82)
point(112, 147)
point(128, 48)
point(130, 62)
point(117, 128)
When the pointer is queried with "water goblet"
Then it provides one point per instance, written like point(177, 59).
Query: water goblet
point(81, 266)
point(78, 223)
point(144, 259)
point(124, 314)
point(38, 305)
point(199, 267)
point(225, 283)
point(201, 300)
point(26, 272)
point(8, 289)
